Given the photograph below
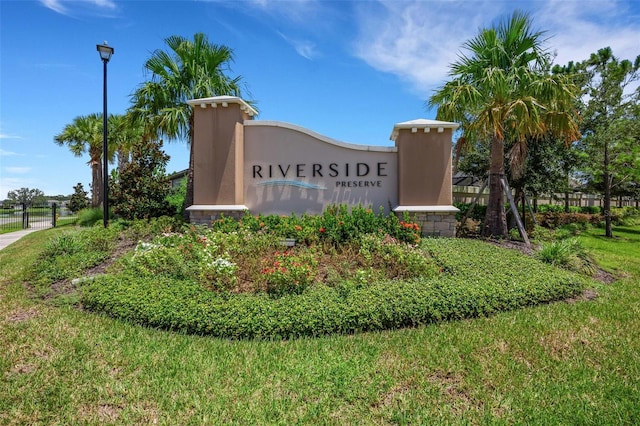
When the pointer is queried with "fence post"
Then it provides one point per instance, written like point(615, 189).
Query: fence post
point(25, 216)
point(54, 213)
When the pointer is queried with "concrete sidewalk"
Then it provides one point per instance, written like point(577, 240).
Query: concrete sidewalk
point(12, 237)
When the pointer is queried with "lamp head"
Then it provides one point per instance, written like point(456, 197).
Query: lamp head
point(105, 51)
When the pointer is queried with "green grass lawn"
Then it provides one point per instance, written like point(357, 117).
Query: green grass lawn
point(561, 363)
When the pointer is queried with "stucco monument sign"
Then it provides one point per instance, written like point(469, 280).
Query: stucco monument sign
point(272, 167)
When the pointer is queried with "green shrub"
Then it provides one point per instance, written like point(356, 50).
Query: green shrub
point(591, 209)
point(551, 208)
point(480, 280)
point(177, 196)
point(337, 225)
point(89, 217)
point(69, 254)
point(289, 271)
point(554, 220)
point(140, 188)
point(396, 260)
point(66, 244)
point(626, 216)
point(145, 229)
point(478, 213)
point(566, 253)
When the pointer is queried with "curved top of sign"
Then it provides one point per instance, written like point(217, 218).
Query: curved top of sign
point(281, 124)
point(424, 125)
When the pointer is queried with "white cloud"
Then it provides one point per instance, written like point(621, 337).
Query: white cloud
point(418, 40)
point(8, 136)
point(4, 153)
point(63, 6)
point(304, 48)
point(578, 29)
point(18, 170)
point(55, 5)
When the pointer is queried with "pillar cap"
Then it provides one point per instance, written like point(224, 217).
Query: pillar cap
point(223, 101)
point(423, 125)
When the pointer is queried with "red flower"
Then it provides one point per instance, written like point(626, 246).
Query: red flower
point(322, 230)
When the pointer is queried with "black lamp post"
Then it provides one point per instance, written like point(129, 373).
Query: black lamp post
point(105, 55)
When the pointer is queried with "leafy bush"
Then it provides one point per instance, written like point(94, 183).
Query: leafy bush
point(289, 272)
point(337, 225)
point(566, 253)
point(626, 216)
point(552, 208)
point(141, 188)
point(177, 196)
point(554, 220)
point(397, 261)
point(591, 209)
point(78, 199)
point(478, 280)
point(478, 213)
point(70, 253)
point(146, 229)
point(89, 217)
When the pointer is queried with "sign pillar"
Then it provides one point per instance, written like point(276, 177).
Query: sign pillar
point(424, 174)
point(218, 138)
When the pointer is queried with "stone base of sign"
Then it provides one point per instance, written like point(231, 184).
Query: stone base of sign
point(207, 214)
point(434, 221)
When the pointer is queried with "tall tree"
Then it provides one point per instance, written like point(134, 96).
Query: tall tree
point(611, 116)
point(187, 69)
point(124, 133)
point(84, 135)
point(78, 199)
point(26, 196)
point(502, 91)
point(141, 188)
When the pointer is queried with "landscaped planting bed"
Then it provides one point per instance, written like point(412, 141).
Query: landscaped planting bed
point(474, 282)
point(348, 272)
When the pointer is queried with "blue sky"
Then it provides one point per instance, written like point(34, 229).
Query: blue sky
point(347, 69)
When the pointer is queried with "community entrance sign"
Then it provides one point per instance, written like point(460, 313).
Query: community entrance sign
point(273, 167)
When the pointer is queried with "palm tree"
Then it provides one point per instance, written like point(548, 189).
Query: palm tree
point(503, 92)
point(84, 135)
point(189, 69)
point(124, 133)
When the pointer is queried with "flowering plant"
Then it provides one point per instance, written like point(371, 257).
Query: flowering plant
point(220, 273)
point(289, 271)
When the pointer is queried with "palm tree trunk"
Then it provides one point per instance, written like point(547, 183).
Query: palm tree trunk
point(123, 159)
point(96, 185)
point(188, 200)
point(495, 222)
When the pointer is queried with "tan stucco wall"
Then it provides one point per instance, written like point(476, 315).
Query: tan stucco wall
point(299, 154)
point(424, 171)
point(218, 133)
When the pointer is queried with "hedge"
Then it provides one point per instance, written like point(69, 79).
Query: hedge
point(478, 280)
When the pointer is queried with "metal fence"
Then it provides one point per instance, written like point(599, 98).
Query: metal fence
point(24, 216)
